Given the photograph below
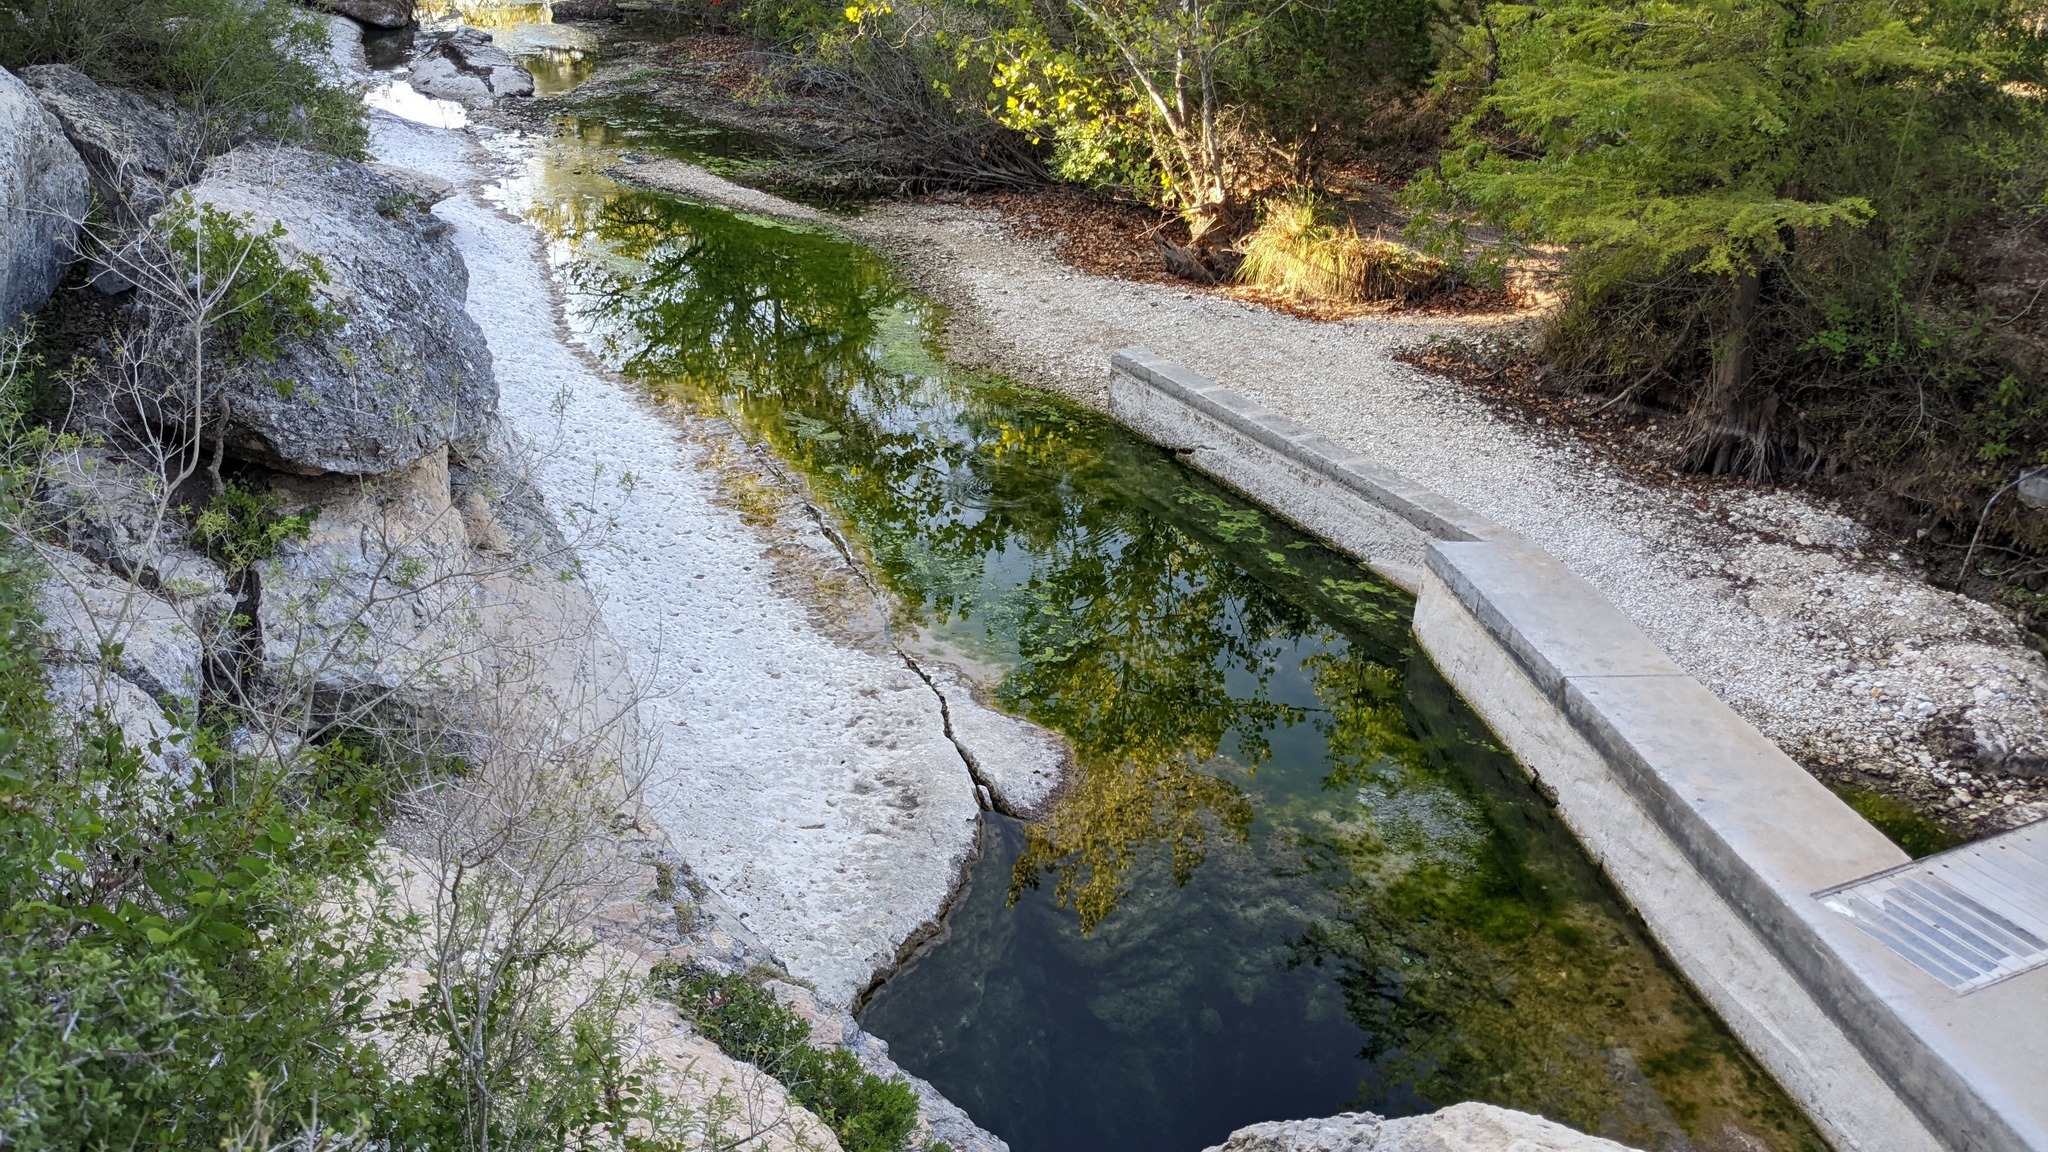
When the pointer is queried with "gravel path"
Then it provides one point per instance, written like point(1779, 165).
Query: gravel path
point(1847, 658)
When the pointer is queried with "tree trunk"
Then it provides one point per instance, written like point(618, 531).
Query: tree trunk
point(1732, 419)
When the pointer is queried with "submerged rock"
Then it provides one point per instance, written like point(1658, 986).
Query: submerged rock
point(1461, 1128)
point(44, 196)
point(406, 373)
point(137, 151)
point(467, 66)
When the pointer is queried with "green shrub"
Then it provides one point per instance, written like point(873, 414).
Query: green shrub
point(240, 528)
point(867, 1112)
point(169, 940)
point(251, 294)
point(241, 66)
point(1806, 230)
point(564, 1080)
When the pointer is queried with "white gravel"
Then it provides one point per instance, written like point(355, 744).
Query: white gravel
point(1845, 658)
point(811, 782)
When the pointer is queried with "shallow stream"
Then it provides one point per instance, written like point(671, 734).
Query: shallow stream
point(1294, 876)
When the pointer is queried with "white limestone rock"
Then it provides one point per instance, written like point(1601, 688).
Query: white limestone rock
point(1468, 1127)
point(44, 196)
point(468, 67)
point(406, 373)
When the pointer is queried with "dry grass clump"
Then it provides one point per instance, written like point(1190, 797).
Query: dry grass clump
point(1301, 250)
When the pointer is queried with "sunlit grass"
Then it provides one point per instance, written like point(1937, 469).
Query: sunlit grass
point(1301, 250)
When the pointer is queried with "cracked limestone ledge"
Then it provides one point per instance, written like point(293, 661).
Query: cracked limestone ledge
point(813, 783)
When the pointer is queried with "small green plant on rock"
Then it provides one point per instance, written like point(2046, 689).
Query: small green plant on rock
point(241, 68)
point(241, 527)
point(868, 1113)
point(259, 297)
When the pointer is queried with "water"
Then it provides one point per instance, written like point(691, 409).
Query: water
point(1295, 875)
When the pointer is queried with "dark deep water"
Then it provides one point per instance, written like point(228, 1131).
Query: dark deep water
point(1294, 875)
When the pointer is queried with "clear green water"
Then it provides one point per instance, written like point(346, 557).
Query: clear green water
point(1294, 875)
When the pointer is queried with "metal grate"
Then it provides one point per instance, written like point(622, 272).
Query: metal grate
point(1968, 917)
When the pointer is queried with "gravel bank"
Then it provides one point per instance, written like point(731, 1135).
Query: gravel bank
point(1845, 657)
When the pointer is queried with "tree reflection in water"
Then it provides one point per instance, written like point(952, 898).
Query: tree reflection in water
point(1235, 694)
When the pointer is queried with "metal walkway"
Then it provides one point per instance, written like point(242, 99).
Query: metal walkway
point(1969, 917)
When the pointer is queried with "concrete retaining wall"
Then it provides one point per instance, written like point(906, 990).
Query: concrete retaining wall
point(1716, 837)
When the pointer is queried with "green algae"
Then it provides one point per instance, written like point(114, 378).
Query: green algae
point(1919, 834)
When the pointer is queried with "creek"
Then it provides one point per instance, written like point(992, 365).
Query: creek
point(1294, 874)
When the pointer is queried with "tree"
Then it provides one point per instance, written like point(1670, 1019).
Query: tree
point(1825, 152)
point(1129, 88)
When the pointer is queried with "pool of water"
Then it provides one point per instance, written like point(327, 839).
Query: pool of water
point(1294, 875)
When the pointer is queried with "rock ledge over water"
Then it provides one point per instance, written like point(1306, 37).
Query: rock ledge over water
point(1460, 1128)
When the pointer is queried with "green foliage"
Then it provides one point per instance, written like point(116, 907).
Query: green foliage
point(867, 1113)
point(167, 939)
point(1808, 226)
point(571, 1084)
point(793, 23)
point(1179, 103)
point(257, 297)
point(242, 66)
point(241, 527)
point(1918, 834)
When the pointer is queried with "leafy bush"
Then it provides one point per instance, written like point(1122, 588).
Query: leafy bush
point(242, 66)
point(241, 527)
point(568, 1085)
point(169, 940)
point(867, 1113)
point(1196, 105)
point(249, 292)
point(1300, 251)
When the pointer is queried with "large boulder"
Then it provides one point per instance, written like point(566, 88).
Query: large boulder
point(406, 374)
point(137, 151)
point(467, 66)
point(1460, 1128)
point(44, 196)
point(375, 13)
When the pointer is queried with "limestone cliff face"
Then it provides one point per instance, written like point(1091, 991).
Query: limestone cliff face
point(44, 194)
